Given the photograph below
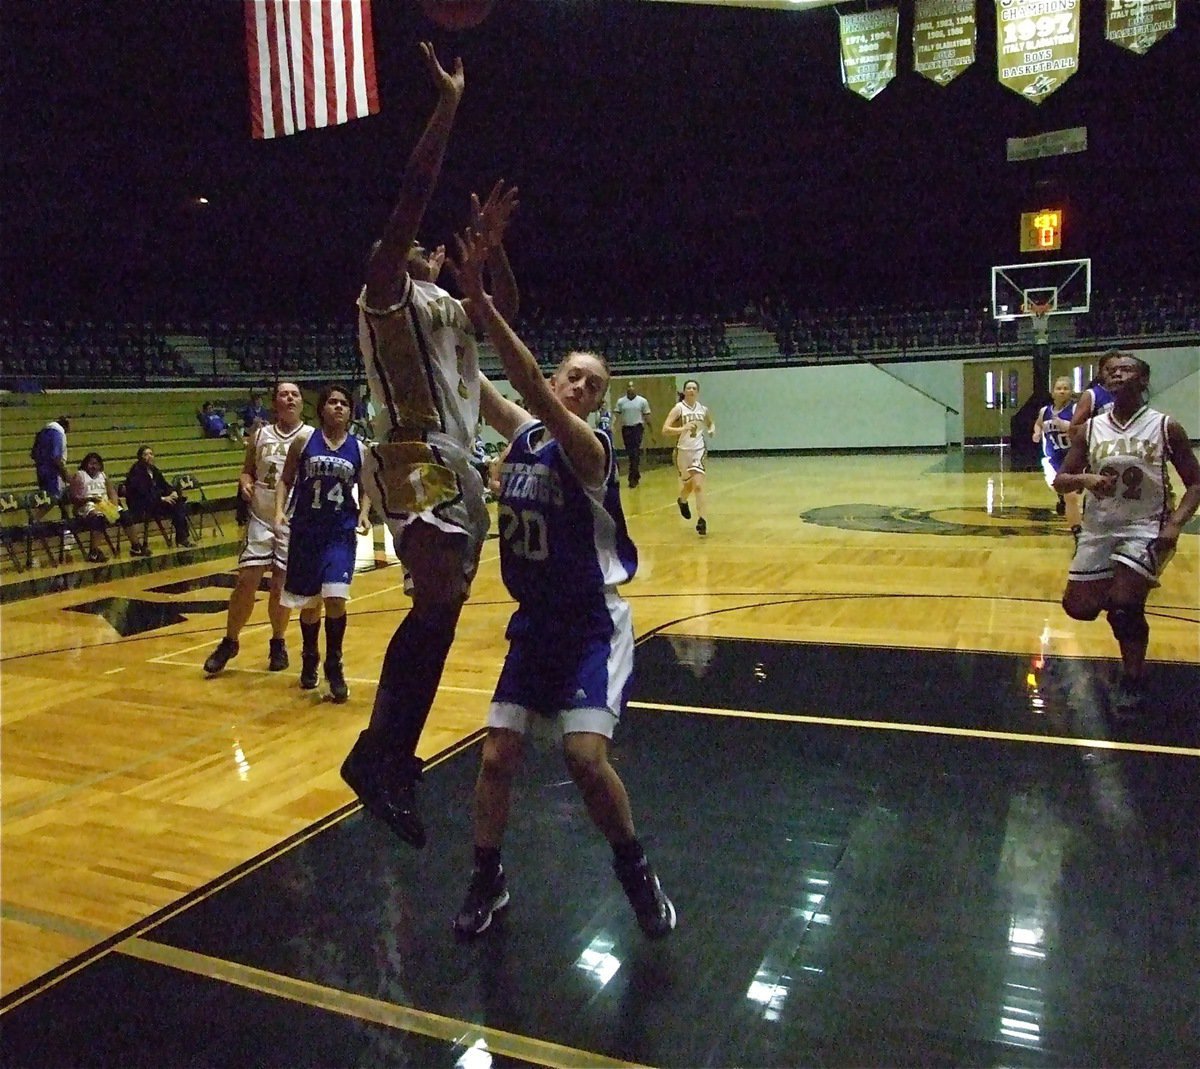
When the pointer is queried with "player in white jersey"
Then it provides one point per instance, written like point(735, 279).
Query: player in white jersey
point(418, 346)
point(688, 422)
point(1131, 524)
point(266, 452)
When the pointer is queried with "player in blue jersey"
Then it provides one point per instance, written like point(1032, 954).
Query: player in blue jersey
point(1053, 430)
point(1097, 398)
point(564, 550)
point(326, 472)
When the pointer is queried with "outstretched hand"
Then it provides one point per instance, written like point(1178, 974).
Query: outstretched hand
point(450, 83)
point(468, 268)
point(491, 218)
point(436, 259)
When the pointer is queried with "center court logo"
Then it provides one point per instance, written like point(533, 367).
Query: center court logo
point(946, 521)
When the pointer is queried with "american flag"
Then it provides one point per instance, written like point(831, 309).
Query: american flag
point(311, 62)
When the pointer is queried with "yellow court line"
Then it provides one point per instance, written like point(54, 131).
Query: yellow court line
point(925, 729)
point(348, 1004)
point(364, 1008)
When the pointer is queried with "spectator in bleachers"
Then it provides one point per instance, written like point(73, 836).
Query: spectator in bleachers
point(49, 456)
point(149, 494)
point(95, 501)
point(254, 415)
point(212, 421)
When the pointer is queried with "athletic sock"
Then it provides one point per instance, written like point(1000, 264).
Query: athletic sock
point(309, 634)
point(487, 860)
point(335, 630)
point(408, 682)
point(628, 852)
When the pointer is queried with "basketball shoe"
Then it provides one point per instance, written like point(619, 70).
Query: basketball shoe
point(684, 511)
point(336, 678)
point(308, 670)
point(386, 785)
point(277, 659)
point(654, 910)
point(226, 650)
point(487, 894)
point(1128, 697)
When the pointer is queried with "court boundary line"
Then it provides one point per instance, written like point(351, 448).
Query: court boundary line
point(364, 1008)
point(1161, 612)
point(54, 975)
point(923, 729)
point(350, 1004)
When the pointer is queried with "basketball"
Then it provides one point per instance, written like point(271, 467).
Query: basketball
point(457, 14)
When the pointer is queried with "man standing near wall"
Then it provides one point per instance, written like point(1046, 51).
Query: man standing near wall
point(49, 456)
point(633, 413)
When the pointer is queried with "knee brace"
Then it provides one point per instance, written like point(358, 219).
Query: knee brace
point(1128, 623)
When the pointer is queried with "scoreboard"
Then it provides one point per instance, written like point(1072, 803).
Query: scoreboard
point(1041, 231)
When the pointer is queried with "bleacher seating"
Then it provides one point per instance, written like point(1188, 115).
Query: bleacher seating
point(85, 353)
point(114, 424)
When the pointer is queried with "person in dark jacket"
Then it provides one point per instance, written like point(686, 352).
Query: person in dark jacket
point(148, 494)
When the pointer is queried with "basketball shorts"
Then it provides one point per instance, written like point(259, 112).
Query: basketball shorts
point(319, 565)
point(1097, 552)
point(52, 483)
point(582, 681)
point(412, 481)
point(690, 461)
point(1050, 471)
point(262, 547)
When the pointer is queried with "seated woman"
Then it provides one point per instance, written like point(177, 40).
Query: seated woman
point(149, 494)
point(95, 502)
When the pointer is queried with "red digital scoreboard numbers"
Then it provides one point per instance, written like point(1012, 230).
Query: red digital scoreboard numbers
point(1041, 231)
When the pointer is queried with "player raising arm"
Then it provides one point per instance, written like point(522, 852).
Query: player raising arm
point(564, 550)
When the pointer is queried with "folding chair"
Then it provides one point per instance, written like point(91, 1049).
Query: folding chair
point(12, 532)
point(81, 526)
point(167, 534)
point(187, 482)
point(40, 529)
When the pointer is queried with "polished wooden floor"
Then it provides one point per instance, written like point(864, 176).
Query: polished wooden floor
point(130, 781)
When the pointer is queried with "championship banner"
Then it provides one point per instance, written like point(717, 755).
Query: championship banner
point(1139, 24)
point(1037, 45)
point(943, 38)
point(869, 50)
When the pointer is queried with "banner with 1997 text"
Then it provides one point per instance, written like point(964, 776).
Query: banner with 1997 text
point(1037, 45)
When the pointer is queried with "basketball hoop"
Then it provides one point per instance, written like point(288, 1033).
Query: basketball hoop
point(1039, 320)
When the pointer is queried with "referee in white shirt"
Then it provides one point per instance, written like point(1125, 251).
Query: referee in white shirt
point(633, 413)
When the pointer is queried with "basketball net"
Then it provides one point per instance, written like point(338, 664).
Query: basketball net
point(1039, 313)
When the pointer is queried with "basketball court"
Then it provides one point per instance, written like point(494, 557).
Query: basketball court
point(871, 758)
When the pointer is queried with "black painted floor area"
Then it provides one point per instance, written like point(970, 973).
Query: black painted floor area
point(847, 895)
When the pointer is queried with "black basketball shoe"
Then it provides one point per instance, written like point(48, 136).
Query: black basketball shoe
point(386, 785)
point(684, 510)
point(655, 911)
point(226, 649)
point(277, 659)
point(336, 678)
point(308, 670)
point(487, 894)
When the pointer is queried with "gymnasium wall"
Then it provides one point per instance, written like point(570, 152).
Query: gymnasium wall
point(846, 406)
point(860, 406)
